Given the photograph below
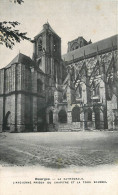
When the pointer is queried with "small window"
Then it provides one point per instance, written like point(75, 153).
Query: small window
point(74, 46)
point(55, 46)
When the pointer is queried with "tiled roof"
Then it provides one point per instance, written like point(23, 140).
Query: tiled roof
point(92, 48)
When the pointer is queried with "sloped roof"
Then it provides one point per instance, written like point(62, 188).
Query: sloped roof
point(92, 48)
point(43, 30)
point(21, 58)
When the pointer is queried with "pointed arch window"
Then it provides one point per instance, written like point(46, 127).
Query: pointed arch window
point(40, 44)
point(79, 91)
point(76, 114)
point(97, 92)
point(95, 89)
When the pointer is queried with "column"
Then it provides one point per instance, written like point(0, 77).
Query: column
point(69, 117)
point(34, 113)
point(101, 120)
point(21, 113)
point(93, 120)
point(82, 121)
point(55, 119)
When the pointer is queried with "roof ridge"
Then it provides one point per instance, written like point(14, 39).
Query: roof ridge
point(20, 57)
point(92, 48)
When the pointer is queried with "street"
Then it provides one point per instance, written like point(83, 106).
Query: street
point(59, 149)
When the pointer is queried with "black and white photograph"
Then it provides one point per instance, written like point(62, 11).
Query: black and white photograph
point(58, 97)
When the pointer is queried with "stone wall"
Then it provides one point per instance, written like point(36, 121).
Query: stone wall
point(1, 113)
point(109, 115)
point(21, 112)
point(93, 77)
point(10, 108)
point(1, 81)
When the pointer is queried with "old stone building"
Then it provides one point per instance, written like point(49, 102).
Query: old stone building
point(50, 92)
point(93, 77)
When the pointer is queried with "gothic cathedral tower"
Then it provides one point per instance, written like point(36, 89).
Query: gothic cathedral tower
point(47, 53)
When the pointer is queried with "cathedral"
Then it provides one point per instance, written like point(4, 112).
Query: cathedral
point(53, 92)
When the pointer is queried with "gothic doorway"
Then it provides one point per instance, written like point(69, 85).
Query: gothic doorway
point(97, 119)
point(41, 122)
point(116, 121)
point(76, 114)
point(88, 118)
point(62, 116)
point(7, 121)
point(50, 117)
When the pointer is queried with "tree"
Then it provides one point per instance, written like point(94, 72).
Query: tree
point(9, 35)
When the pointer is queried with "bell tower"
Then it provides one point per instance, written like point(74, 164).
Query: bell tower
point(47, 52)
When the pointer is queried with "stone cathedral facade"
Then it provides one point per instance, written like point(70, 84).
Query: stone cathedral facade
point(51, 92)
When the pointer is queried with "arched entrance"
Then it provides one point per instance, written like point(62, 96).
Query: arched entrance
point(41, 122)
point(62, 116)
point(7, 121)
point(76, 114)
point(50, 117)
point(97, 118)
point(88, 118)
point(88, 115)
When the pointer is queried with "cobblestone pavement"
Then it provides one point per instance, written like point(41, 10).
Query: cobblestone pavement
point(59, 149)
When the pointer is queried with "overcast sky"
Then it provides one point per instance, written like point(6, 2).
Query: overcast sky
point(92, 19)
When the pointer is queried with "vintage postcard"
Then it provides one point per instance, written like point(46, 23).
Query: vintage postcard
point(58, 97)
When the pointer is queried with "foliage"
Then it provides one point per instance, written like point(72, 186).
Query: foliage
point(8, 34)
point(18, 1)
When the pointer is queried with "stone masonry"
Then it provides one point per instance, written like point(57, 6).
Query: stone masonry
point(50, 92)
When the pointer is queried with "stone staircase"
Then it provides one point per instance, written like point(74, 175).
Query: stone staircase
point(52, 128)
point(69, 127)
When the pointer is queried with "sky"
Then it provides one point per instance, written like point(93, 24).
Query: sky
point(92, 19)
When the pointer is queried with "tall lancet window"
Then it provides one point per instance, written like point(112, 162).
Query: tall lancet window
point(79, 91)
point(95, 89)
point(40, 44)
